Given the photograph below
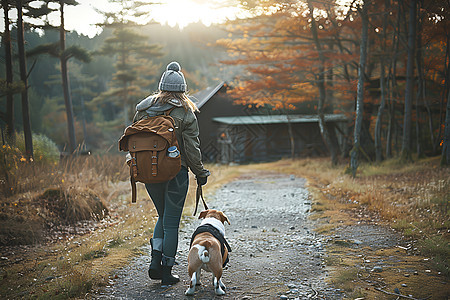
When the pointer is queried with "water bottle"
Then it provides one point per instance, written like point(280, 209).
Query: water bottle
point(173, 151)
point(128, 158)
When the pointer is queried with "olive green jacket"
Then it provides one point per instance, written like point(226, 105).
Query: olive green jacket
point(186, 131)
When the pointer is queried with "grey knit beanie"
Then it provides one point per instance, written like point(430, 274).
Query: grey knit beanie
point(172, 79)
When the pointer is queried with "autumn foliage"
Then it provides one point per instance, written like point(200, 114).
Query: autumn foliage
point(283, 67)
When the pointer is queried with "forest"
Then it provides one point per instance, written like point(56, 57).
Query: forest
point(383, 63)
point(66, 98)
point(98, 80)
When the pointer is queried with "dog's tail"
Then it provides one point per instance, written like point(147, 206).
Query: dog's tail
point(203, 254)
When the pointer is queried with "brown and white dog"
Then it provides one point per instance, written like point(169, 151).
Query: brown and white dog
point(206, 251)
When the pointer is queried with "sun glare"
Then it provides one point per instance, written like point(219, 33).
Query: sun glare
point(84, 17)
point(184, 12)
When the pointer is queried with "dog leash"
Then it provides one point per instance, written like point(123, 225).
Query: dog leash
point(199, 194)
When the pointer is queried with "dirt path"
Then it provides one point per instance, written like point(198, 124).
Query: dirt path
point(275, 252)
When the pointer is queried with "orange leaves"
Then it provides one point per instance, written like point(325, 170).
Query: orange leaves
point(279, 61)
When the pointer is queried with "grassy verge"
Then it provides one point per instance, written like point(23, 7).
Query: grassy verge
point(413, 199)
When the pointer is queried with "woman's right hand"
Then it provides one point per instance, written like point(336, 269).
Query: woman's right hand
point(201, 180)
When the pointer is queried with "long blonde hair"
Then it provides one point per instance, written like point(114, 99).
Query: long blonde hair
point(164, 97)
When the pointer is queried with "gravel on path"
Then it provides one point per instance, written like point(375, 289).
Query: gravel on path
point(275, 251)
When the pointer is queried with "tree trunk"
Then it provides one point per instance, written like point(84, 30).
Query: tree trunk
point(322, 91)
point(419, 89)
point(446, 90)
point(291, 136)
point(6, 39)
point(124, 58)
point(330, 82)
point(360, 91)
point(406, 141)
point(24, 77)
point(85, 134)
point(378, 125)
point(430, 123)
point(446, 143)
point(126, 117)
point(393, 86)
point(378, 147)
point(65, 82)
point(390, 128)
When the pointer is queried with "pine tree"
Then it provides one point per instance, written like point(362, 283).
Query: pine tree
point(64, 57)
point(8, 88)
point(33, 13)
point(133, 60)
point(64, 54)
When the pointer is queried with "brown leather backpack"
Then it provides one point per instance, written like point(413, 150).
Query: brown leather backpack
point(148, 141)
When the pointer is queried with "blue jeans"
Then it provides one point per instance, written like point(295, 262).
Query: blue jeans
point(168, 198)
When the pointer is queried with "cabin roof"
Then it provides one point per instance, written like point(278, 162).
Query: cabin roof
point(203, 96)
point(278, 119)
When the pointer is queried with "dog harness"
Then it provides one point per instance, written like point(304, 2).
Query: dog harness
point(217, 234)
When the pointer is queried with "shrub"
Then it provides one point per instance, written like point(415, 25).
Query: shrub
point(15, 173)
point(10, 158)
point(44, 149)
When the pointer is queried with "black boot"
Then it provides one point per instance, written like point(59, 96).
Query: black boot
point(155, 269)
point(167, 277)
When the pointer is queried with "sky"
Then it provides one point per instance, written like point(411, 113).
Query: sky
point(171, 12)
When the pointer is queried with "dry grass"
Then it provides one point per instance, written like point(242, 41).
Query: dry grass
point(411, 198)
point(346, 277)
point(86, 171)
point(80, 256)
point(59, 205)
point(409, 194)
point(47, 196)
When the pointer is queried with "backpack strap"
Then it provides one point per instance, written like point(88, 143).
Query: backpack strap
point(133, 174)
point(154, 163)
point(133, 189)
point(134, 170)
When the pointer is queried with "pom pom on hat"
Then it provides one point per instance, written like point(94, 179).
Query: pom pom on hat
point(174, 66)
point(172, 80)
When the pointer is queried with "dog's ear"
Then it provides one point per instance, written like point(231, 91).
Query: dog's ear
point(224, 218)
point(203, 214)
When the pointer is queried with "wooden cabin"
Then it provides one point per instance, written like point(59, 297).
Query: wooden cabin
point(232, 133)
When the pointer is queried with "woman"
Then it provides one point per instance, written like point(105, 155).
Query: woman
point(169, 197)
